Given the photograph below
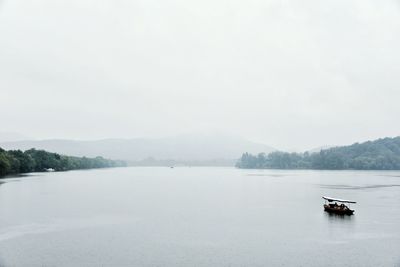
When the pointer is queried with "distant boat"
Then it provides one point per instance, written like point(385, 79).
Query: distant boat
point(331, 205)
point(49, 170)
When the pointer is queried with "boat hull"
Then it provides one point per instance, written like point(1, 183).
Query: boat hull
point(339, 211)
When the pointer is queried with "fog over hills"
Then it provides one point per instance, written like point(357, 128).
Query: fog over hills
point(178, 148)
point(318, 149)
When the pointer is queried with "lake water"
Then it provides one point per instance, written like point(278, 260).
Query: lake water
point(198, 217)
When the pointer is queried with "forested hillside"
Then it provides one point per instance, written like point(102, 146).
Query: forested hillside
point(381, 154)
point(32, 160)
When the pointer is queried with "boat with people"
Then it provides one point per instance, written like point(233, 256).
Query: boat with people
point(338, 206)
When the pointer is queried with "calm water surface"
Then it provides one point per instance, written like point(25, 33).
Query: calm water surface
point(198, 217)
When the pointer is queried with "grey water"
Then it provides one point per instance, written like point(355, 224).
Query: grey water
point(155, 216)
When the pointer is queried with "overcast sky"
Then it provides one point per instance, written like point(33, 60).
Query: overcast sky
point(291, 74)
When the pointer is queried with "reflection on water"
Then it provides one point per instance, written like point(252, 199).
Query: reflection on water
point(333, 217)
point(355, 187)
point(389, 175)
point(268, 175)
point(4, 181)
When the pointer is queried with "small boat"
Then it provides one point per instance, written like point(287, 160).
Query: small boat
point(331, 205)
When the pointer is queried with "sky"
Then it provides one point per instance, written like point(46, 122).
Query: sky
point(290, 74)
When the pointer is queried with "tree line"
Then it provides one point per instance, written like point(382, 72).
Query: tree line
point(381, 154)
point(32, 160)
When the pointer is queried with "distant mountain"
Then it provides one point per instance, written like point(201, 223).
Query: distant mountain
point(381, 154)
point(206, 148)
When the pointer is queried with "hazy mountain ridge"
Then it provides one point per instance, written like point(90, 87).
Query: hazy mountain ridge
point(179, 148)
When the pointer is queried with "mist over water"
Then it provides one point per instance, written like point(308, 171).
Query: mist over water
point(199, 83)
point(198, 217)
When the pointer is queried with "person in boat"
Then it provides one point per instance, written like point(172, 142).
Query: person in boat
point(341, 208)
